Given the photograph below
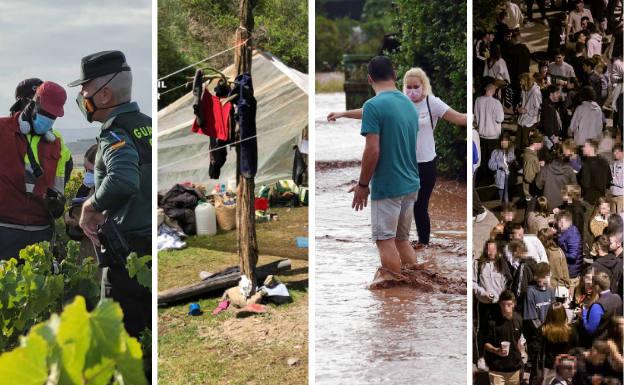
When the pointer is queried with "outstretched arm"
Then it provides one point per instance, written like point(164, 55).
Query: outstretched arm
point(351, 114)
point(455, 117)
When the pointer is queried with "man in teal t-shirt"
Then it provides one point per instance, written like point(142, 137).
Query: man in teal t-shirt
point(390, 125)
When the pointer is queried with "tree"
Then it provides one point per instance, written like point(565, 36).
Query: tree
point(433, 37)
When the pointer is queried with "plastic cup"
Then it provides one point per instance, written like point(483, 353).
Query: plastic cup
point(505, 346)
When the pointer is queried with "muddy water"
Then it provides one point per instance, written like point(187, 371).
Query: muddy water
point(398, 335)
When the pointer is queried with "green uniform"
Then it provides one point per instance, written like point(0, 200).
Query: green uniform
point(123, 174)
point(123, 188)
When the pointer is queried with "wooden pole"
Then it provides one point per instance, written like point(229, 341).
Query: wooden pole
point(245, 211)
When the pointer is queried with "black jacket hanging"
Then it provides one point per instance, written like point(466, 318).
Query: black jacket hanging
point(299, 167)
point(246, 111)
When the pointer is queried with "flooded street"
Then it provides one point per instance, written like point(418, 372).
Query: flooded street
point(399, 335)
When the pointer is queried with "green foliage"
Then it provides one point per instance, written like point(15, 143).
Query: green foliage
point(140, 267)
point(30, 291)
point(76, 348)
point(190, 30)
point(484, 14)
point(433, 37)
point(336, 37)
point(72, 186)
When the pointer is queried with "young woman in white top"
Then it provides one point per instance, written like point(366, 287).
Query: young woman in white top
point(430, 108)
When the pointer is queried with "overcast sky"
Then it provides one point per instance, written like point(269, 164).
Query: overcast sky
point(47, 39)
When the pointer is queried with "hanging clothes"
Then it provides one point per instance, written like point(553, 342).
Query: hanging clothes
point(216, 122)
point(218, 156)
point(246, 113)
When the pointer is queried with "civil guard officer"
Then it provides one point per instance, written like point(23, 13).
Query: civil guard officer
point(117, 217)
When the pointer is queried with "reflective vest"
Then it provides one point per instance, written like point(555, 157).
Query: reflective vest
point(59, 176)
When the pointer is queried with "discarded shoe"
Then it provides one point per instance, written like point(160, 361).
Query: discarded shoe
point(222, 306)
point(250, 310)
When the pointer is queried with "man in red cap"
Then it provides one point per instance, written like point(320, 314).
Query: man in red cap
point(32, 175)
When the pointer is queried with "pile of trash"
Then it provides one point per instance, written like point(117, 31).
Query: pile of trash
point(239, 298)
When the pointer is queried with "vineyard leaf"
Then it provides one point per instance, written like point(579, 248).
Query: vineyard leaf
point(107, 331)
point(26, 364)
point(101, 373)
point(73, 338)
point(130, 364)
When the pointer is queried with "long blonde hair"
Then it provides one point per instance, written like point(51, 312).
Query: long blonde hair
point(417, 72)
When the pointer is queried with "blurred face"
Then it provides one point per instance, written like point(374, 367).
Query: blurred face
point(508, 216)
point(559, 59)
point(604, 209)
point(567, 370)
point(504, 144)
point(617, 154)
point(538, 146)
point(492, 251)
point(555, 97)
point(580, 6)
point(507, 308)
point(543, 70)
point(542, 281)
point(615, 242)
point(587, 281)
point(587, 69)
point(582, 38)
point(584, 23)
point(588, 150)
point(518, 234)
point(563, 224)
point(595, 357)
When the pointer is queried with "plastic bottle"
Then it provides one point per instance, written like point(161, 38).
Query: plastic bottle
point(206, 219)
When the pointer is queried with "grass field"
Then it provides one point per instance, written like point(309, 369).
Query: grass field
point(225, 349)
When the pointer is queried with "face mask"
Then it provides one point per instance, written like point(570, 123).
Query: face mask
point(89, 179)
point(414, 93)
point(86, 104)
point(42, 124)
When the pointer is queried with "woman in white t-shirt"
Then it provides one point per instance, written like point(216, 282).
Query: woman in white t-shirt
point(430, 108)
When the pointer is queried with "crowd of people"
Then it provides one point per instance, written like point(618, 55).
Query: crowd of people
point(547, 139)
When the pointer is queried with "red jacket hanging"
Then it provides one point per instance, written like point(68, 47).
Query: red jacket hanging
point(215, 117)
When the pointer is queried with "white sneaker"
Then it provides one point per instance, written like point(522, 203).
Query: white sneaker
point(481, 217)
point(481, 365)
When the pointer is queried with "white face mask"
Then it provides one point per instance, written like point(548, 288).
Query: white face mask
point(414, 93)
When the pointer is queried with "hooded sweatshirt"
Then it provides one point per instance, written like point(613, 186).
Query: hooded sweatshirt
point(487, 280)
point(552, 179)
point(611, 265)
point(586, 122)
point(531, 101)
point(488, 115)
point(594, 45)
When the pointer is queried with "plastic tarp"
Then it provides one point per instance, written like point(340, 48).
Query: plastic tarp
point(282, 116)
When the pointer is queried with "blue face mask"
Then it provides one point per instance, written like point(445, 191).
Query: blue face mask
point(42, 124)
point(89, 179)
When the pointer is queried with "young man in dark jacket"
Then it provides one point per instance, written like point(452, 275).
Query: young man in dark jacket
point(502, 344)
point(570, 242)
point(595, 176)
point(607, 262)
point(549, 116)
